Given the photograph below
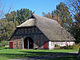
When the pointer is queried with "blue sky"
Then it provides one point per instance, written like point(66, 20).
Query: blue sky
point(38, 6)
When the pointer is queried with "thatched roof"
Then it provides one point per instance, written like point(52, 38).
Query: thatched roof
point(30, 22)
point(51, 29)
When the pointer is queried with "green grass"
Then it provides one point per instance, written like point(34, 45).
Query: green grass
point(6, 54)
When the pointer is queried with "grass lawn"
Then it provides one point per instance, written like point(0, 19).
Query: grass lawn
point(6, 54)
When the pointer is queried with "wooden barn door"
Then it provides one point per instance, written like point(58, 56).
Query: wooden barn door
point(11, 44)
point(46, 45)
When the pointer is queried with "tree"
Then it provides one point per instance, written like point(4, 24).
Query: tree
point(77, 18)
point(63, 12)
point(56, 17)
point(2, 8)
point(11, 16)
point(75, 11)
point(11, 20)
point(74, 6)
point(52, 16)
point(61, 15)
point(7, 29)
point(49, 15)
point(75, 31)
point(23, 15)
point(20, 15)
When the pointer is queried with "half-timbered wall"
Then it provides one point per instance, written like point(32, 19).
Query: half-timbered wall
point(33, 32)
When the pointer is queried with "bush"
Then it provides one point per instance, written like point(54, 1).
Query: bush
point(3, 43)
point(67, 47)
point(56, 45)
point(76, 46)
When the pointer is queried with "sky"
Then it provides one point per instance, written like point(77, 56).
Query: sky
point(38, 6)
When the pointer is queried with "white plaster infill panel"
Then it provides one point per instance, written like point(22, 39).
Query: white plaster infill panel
point(51, 45)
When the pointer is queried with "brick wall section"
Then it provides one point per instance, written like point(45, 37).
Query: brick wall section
point(17, 44)
point(33, 32)
point(14, 44)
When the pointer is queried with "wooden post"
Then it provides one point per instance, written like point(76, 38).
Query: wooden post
point(22, 44)
point(28, 43)
point(13, 43)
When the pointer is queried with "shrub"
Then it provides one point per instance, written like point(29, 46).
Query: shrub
point(56, 45)
point(3, 43)
point(67, 47)
point(76, 46)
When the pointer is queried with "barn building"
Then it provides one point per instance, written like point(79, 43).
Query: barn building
point(41, 33)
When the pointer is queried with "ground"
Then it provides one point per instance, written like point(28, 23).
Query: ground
point(6, 54)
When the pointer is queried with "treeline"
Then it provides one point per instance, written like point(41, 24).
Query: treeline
point(11, 20)
point(68, 16)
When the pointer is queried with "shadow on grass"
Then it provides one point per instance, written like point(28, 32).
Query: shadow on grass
point(14, 56)
point(37, 55)
point(45, 55)
point(64, 58)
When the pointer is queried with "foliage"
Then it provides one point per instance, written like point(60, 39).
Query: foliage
point(56, 45)
point(75, 6)
point(49, 15)
point(61, 15)
point(23, 15)
point(6, 29)
point(63, 12)
point(52, 16)
point(4, 43)
point(76, 46)
point(76, 27)
point(77, 17)
point(20, 15)
point(75, 11)
point(57, 18)
point(11, 20)
point(68, 15)
point(75, 31)
point(67, 47)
